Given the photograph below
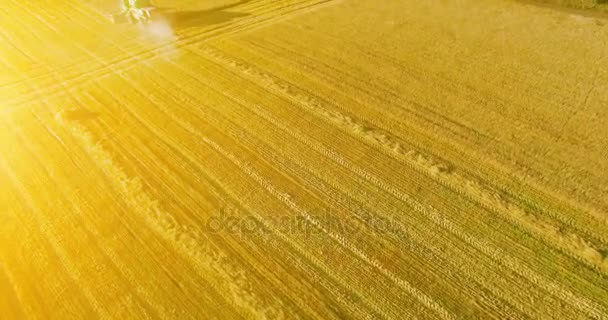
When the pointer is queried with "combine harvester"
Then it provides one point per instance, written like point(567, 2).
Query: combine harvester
point(134, 11)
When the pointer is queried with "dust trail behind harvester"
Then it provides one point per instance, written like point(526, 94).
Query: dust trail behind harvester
point(159, 32)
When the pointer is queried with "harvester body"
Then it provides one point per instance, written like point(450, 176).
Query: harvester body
point(134, 11)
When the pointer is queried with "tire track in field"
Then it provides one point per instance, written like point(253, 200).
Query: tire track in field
point(47, 74)
point(477, 191)
point(121, 60)
point(187, 40)
point(125, 63)
point(36, 92)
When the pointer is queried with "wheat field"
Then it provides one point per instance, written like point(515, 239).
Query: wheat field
point(303, 159)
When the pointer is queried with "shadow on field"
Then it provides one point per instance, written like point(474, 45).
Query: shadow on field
point(200, 18)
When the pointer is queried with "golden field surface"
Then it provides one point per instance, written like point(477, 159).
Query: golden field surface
point(313, 159)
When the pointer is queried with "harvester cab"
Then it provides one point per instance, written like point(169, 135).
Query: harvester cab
point(134, 11)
